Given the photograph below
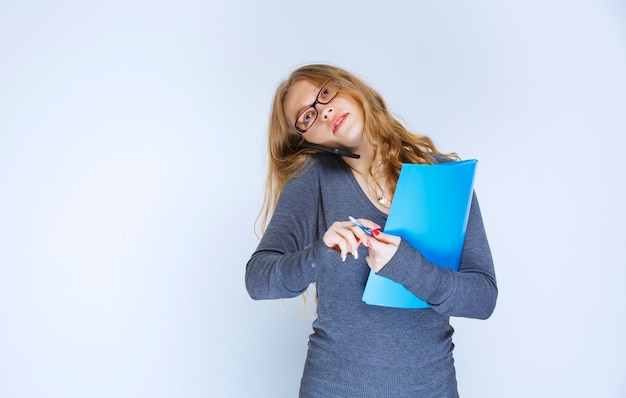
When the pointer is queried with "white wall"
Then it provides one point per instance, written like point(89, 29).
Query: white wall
point(132, 161)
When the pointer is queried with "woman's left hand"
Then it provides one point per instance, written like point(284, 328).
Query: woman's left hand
point(381, 246)
point(381, 249)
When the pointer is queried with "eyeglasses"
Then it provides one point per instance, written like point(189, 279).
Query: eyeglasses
point(307, 117)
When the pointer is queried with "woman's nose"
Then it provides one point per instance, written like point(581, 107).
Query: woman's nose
point(326, 112)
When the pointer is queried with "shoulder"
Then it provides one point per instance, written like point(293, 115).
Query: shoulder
point(304, 186)
point(437, 159)
point(319, 165)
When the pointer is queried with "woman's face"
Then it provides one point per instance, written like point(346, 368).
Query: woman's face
point(337, 120)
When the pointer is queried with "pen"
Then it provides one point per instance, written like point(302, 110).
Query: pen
point(360, 225)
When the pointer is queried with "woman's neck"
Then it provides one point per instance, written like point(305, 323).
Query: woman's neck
point(374, 186)
point(363, 163)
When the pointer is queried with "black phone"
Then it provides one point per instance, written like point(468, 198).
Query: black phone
point(334, 151)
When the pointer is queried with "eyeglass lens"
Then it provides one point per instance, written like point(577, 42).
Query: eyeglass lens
point(306, 119)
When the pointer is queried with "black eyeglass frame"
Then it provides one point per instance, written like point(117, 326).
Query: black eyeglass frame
point(317, 101)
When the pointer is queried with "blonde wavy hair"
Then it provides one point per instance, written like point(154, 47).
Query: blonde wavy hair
point(392, 143)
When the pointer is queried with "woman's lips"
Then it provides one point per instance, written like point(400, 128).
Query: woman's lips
point(338, 121)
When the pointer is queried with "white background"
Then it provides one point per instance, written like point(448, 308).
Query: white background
point(132, 162)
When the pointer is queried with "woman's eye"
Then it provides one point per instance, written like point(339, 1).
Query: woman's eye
point(307, 117)
point(325, 93)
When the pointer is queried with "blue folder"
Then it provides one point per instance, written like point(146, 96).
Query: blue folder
point(430, 209)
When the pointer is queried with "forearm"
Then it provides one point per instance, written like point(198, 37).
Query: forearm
point(471, 292)
point(466, 293)
point(271, 274)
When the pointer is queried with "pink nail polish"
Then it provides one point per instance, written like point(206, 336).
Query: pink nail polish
point(368, 243)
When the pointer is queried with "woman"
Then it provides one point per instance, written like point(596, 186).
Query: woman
point(335, 151)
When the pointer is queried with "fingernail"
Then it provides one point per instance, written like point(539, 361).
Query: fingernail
point(378, 226)
point(356, 254)
point(368, 243)
point(375, 232)
point(343, 258)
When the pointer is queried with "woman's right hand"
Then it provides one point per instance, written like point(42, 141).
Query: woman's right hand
point(345, 237)
point(341, 237)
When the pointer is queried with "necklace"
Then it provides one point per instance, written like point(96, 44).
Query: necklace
point(382, 199)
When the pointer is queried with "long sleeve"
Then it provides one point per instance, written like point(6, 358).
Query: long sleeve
point(357, 349)
point(471, 292)
point(291, 254)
